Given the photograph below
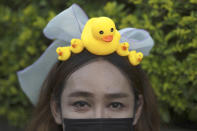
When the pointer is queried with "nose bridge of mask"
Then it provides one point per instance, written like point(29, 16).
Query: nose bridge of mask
point(98, 124)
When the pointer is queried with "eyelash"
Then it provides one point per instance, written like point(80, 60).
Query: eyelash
point(81, 106)
point(80, 102)
point(121, 106)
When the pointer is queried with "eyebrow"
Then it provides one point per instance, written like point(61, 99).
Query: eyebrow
point(81, 94)
point(89, 94)
point(116, 95)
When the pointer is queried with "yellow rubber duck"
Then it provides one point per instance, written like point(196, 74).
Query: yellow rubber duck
point(76, 46)
point(64, 53)
point(123, 49)
point(100, 36)
point(135, 58)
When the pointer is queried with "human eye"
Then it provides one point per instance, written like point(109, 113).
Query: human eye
point(116, 106)
point(81, 106)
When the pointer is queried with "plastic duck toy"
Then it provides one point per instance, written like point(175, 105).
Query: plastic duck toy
point(123, 49)
point(135, 58)
point(76, 46)
point(100, 37)
point(63, 53)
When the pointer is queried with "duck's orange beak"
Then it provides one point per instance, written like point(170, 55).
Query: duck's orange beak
point(124, 48)
point(108, 38)
point(60, 53)
point(139, 59)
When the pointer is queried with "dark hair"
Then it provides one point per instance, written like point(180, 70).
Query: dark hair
point(52, 89)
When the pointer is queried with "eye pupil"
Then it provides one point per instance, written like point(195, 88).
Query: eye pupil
point(112, 29)
point(115, 105)
point(82, 104)
point(101, 32)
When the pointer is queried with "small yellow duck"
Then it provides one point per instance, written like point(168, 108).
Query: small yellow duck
point(135, 58)
point(123, 49)
point(63, 53)
point(76, 46)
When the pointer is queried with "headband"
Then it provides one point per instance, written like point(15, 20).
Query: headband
point(64, 28)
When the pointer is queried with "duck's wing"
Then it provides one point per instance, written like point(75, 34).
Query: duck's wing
point(138, 39)
point(66, 25)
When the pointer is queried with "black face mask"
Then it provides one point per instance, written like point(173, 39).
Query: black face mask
point(98, 124)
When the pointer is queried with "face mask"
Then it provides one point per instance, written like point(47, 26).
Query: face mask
point(98, 124)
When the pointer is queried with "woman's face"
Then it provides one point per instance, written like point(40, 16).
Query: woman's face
point(97, 90)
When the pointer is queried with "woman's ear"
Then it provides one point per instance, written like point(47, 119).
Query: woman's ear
point(140, 104)
point(55, 112)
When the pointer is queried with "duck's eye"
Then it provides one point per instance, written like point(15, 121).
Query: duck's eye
point(112, 29)
point(101, 32)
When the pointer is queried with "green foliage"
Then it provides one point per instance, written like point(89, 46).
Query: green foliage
point(22, 42)
point(171, 66)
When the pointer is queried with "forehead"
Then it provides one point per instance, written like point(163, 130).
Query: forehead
point(98, 76)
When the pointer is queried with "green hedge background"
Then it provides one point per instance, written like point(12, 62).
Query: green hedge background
point(171, 66)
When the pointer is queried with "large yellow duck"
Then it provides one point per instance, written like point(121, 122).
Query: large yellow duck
point(100, 37)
